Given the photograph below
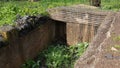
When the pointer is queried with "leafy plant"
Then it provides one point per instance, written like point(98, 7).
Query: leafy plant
point(59, 56)
point(31, 64)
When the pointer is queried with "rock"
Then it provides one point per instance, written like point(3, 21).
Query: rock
point(21, 22)
point(27, 23)
point(114, 49)
point(99, 53)
point(4, 30)
point(109, 56)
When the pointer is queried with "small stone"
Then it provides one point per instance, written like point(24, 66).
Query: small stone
point(109, 56)
point(108, 34)
point(114, 49)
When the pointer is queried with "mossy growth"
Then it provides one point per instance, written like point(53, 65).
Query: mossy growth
point(4, 35)
point(116, 38)
point(117, 47)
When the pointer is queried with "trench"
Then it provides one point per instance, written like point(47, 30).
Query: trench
point(33, 34)
point(58, 46)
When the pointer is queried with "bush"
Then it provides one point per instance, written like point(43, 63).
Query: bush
point(58, 56)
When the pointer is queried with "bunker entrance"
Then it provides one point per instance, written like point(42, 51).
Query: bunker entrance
point(81, 22)
point(60, 33)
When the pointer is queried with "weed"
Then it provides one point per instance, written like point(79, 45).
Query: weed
point(116, 38)
point(31, 64)
point(59, 56)
point(117, 46)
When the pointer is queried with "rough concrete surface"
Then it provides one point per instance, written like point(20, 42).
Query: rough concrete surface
point(104, 50)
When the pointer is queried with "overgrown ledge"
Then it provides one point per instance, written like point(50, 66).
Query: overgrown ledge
point(25, 39)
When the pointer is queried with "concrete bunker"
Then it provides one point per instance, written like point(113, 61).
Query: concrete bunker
point(81, 22)
point(71, 25)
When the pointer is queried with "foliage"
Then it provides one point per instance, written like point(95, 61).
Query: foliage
point(9, 10)
point(59, 56)
point(31, 64)
point(111, 5)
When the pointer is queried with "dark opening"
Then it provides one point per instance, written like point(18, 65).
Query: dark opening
point(60, 31)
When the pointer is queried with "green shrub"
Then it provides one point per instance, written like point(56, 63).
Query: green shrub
point(31, 64)
point(58, 56)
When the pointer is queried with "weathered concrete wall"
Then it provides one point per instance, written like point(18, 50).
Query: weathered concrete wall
point(4, 57)
point(104, 50)
point(37, 39)
point(25, 46)
point(82, 21)
point(77, 33)
point(29, 37)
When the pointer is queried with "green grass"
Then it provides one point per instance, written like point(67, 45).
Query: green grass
point(9, 10)
point(57, 56)
point(111, 5)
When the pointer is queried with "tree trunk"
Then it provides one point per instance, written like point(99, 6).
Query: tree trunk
point(33, 0)
point(96, 3)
